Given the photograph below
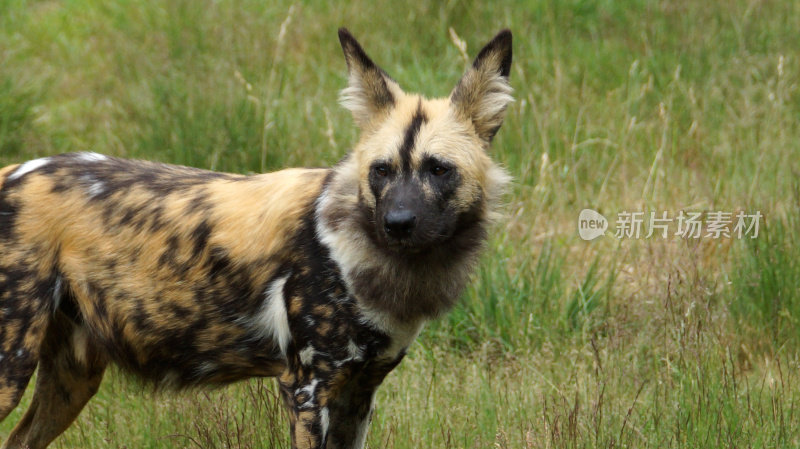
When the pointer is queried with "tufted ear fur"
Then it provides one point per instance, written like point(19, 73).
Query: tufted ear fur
point(483, 93)
point(370, 92)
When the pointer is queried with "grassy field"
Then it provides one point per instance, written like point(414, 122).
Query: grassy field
point(559, 342)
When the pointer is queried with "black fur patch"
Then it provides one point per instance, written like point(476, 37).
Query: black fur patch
point(500, 43)
point(410, 137)
point(8, 215)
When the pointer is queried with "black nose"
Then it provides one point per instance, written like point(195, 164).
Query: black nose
point(399, 223)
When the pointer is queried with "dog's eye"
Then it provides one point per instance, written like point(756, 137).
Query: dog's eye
point(438, 170)
point(381, 170)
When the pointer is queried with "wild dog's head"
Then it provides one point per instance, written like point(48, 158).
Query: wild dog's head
point(415, 194)
point(423, 165)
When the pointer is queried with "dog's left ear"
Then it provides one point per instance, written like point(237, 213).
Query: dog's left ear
point(483, 93)
point(370, 92)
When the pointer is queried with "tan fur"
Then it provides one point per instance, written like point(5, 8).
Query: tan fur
point(68, 222)
point(282, 197)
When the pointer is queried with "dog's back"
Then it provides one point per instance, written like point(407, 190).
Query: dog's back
point(142, 254)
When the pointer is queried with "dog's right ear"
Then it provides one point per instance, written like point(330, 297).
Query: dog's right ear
point(370, 92)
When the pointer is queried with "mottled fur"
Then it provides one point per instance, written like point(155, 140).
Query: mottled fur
point(320, 277)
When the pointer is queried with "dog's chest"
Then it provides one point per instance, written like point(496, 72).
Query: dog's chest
point(328, 327)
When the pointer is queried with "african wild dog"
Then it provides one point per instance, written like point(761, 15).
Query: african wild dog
point(321, 277)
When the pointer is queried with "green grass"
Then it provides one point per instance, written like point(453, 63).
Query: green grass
point(638, 105)
point(765, 292)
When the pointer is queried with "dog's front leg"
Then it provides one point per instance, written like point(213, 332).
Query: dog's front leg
point(331, 408)
point(349, 410)
point(301, 395)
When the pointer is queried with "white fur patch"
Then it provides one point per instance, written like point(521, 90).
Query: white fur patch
point(493, 103)
point(28, 167)
point(307, 355)
point(96, 188)
point(206, 368)
point(347, 249)
point(355, 351)
point(357, 99)
point(353, 99)
point(401, 334)
point(89, 156)
point(497, 183)
point(80, 343)
point(355, 354)
point(311, 391)
point(57, 293)
point(324, 421)
point(272, 320)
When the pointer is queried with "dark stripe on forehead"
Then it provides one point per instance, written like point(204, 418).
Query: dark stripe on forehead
point(411, 135)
